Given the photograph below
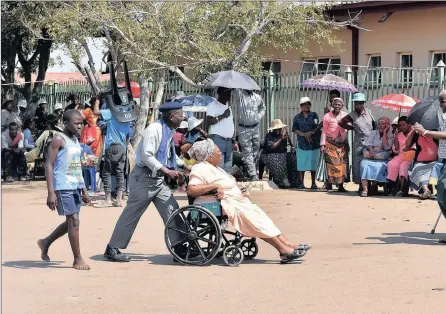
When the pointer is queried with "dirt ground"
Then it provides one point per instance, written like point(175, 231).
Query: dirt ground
point(372, 255)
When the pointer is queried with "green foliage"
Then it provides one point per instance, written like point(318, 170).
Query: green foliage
point(208, 36)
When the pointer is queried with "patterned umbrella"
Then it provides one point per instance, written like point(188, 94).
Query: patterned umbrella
point(395, 102)
point(329, 82)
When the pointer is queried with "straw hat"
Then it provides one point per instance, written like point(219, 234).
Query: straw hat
point(276, 124)
point(193, 123)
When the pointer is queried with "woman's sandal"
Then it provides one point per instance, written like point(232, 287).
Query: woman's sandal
point(286, 258)
point(314, 187)
point(364, 193)
point(305, 247)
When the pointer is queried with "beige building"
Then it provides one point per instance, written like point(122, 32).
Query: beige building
point(402, 34)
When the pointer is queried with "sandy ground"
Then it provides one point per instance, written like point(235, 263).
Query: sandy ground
point(371, 255)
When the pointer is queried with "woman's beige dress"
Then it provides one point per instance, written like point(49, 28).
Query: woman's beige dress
point(246, 217)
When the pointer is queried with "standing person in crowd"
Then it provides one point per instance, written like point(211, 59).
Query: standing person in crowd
point(42, 116)
point(332, 94)
point(13, 158)
point(115, 154)
point(91, 134)
point(361, 121)
point(306, 127)
point(398, 167)
point(441, 136)
point(28, 129)
point(395, 126)
point(250, 109)
point(179, 137)
point(155, 160)
point(58, 111)
point(66, 188)
point(275, 156)
point(8, 115)
point(73, 102)
point(221, 126)
point(334, 146)
point(22, 109)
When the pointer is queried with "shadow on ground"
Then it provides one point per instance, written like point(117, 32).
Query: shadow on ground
point(34, 264)
point(419, 238)
point(167, 259)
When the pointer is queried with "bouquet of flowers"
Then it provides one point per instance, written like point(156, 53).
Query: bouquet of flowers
point(89, 160)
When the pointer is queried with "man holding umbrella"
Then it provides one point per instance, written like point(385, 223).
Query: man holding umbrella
point(441, 135)
point(251, 109)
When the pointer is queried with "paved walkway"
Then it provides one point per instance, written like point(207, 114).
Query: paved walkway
point(371, 255)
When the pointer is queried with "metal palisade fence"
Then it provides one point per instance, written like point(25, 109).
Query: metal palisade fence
point(281, 92)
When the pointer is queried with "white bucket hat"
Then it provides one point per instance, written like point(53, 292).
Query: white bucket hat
point(23, 103)
point(193, 123)
point(395, 121)
point(42, 101)
point(183, 125)
point(304, 100)
point(58, 106)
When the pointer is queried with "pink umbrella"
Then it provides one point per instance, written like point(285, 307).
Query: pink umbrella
point(395, 102)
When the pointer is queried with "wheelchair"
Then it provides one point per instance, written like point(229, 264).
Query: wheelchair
point(196, 234)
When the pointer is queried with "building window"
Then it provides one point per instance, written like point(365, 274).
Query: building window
point(373, 74)
point(437, 56)
point(273, 66)
point(406, 70)
point(319, 66)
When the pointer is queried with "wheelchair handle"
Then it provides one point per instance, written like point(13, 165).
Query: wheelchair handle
point(213, 192)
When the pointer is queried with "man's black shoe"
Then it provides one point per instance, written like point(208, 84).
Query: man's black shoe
point(114, 254)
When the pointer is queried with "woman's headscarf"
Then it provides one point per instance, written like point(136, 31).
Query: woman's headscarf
point(201, 150)
point(385, 119)
point(338, 99)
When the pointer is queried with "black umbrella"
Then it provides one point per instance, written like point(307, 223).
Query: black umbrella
point(426, 113)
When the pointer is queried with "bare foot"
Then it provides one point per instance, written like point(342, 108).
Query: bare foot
point(44, 249)
point(79, 264)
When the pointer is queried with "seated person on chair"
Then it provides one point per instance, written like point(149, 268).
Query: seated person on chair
point(13, 159)
point(373, 168)
point(246, 217)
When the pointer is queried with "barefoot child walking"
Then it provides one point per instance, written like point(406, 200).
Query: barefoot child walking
point(66, 185)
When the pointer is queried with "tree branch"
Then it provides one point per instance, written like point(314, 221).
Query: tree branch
point(243, 28)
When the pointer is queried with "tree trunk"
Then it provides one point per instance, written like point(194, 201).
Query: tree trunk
point(158, 98)
point(143, 111)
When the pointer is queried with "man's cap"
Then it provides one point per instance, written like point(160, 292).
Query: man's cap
point(42, 101)
point(304, 100)
point(58, 106)
point(169, 106)
point(23, 103)
point(359, 97)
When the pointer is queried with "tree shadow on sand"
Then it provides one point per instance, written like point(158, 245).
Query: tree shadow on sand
point(167, 259)
point(420, 238)
point(34, 264)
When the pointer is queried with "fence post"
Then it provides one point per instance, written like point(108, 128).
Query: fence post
point(271, 90)
point(441, 78)
point(348, 77)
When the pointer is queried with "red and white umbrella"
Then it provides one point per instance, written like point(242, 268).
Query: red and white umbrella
point(136, 91)
point(395, 102)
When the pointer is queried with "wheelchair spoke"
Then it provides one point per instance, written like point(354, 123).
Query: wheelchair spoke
point(204, 230)
point(179, 242)
point(177, 230)
point(197, 223)
point(185, 221)
point(188, 252)
point(199, 248)
point(207, 240)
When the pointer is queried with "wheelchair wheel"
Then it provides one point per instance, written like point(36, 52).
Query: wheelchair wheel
point(193, 235)
point(249, 248)
point(233, 255)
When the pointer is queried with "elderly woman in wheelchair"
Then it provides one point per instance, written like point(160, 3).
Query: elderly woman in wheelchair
point(216, 200)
